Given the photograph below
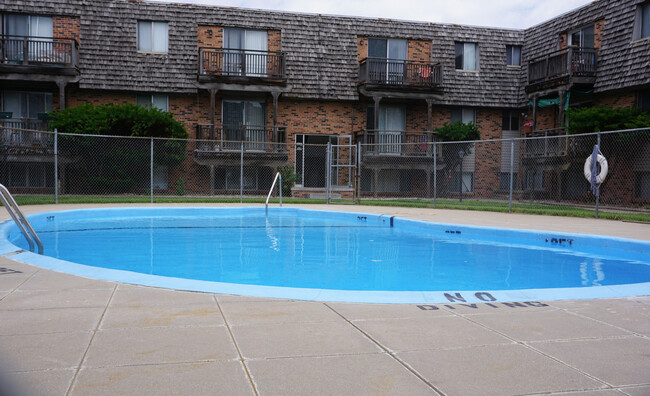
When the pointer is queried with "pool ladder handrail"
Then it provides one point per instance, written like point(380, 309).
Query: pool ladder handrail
point(18, 216)
point(277, 176)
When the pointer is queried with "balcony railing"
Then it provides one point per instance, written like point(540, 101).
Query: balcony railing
point(567, 62)
point(547, 143)
point(229, 63)
point(255, 138)
point(398, 143)
point(38, 51)
point(25, 133)
point(399, 72)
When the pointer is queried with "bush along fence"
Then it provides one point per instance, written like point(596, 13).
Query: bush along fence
point(547, 167)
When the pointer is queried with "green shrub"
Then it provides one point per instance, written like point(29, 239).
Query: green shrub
point(289, 177)
point(106, 164)
point(458, 131)
point(180, 186)
point(602, 118)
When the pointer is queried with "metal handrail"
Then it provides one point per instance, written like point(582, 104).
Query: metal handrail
point(18, 216)
point(277, 176)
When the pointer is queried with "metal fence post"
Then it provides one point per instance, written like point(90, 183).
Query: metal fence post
point(597, 186)
point(241, 174)
point(56, 166)
point(151, 172)
point(328, 169)
point(435, 173)
point(512, 166)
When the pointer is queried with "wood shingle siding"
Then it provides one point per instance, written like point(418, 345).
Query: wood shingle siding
point(321, 60)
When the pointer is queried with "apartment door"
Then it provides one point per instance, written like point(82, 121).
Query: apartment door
point(244, 121)
point(388, 134)
point(245, 52)
point(391, 54)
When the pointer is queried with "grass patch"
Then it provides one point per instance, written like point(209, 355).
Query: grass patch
point(489, 206)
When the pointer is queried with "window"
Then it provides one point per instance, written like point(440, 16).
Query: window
point(26, 104)
point(642, 185)
point(244, 120)
point(513, 55)
point(642, 24)
point(643, 100)
point(464, 114)
point(255, 178)
point(508, 154)
point(31, 175)
point(466, 56)
point(510, 120)
point(468, 182)
point(28, 25)
point(158, 101)
point(534, 180)
point(583, 37)
point(160, 177)
point(152, 36)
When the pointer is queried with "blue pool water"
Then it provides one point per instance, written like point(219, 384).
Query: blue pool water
point(302, 249)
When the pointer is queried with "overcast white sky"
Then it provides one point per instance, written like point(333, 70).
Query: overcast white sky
point(497, 13)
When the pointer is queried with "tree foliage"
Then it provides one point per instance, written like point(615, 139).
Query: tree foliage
point(458, 131)
point(602, 118)
point(106, 164)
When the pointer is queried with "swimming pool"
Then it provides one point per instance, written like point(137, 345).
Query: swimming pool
point(316, 255)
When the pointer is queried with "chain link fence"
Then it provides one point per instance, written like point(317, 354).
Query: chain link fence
point(546, 168)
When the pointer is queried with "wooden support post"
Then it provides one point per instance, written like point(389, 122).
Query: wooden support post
point(430, 115)
point(562, 103)
point(61, 85)
point(535, 113)
point(276, 95)
point(213, 93)
point(377, 100)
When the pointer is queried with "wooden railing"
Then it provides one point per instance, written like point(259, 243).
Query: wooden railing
point(399, 72)
point(25, 133)
point(224, 62)
point(23, 50)
point(255, 138)
point(571, 61)
point(547, 143)
point(399, 143)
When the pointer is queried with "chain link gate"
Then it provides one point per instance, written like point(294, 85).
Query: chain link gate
point(342, 171)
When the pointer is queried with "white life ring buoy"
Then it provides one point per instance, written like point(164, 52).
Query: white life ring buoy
point(602, 161)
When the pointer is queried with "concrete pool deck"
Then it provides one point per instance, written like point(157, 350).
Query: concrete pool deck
point(61, 334)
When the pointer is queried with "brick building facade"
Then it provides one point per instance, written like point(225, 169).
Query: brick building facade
point(285, 84)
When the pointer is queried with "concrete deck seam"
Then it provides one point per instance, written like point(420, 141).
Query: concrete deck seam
point(22, 283)
point(203, 361)
point(390, 353)
point(530, 347)
point(234, 341)
point(324, 355)
point(604, 323)
point(92, 337)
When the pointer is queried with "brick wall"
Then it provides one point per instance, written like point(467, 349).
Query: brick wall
point(66, 27)
point(275, 40)
point(210, 36)
point(617, 100)
point(598, 34)
point(362, 48)
point(419, 50)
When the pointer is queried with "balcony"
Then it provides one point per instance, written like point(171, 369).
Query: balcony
point(43, 55)
point(382, 143)
point(24, 136)
point(572, 65)
point(223, 144)
point(241, 66)
point(549, 143)
point(381, 73)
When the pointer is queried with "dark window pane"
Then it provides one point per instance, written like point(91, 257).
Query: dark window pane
point(460, 50)
point(508, 54)
point(377, 48)
point(645, 20)
point(370, 118)
point(588, 37)
point(516, 56)
point(505, 120)
point(644, 100)
point(456, 114)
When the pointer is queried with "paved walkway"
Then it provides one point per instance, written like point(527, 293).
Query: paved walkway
point(61, 334)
